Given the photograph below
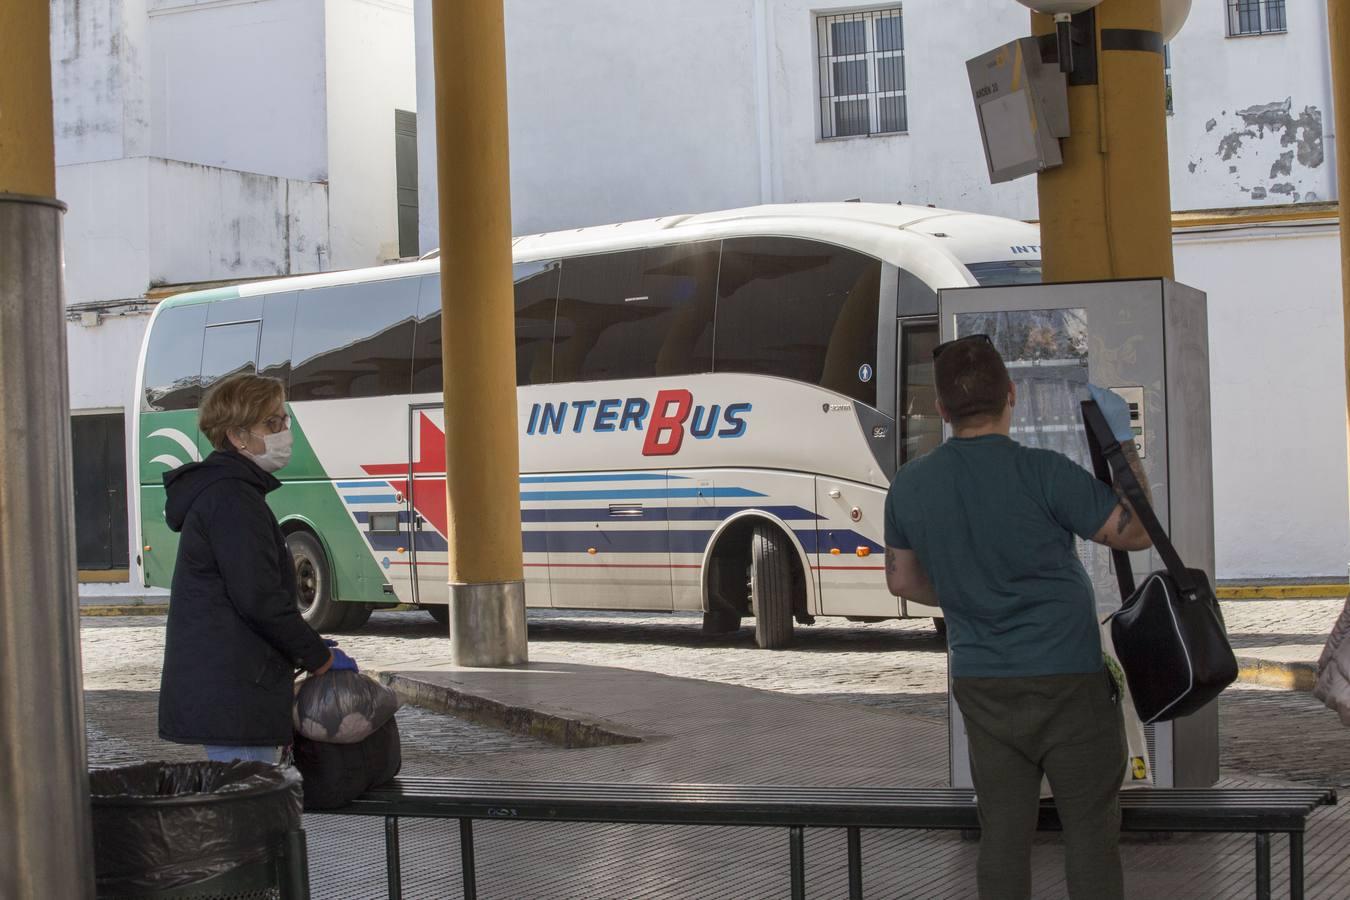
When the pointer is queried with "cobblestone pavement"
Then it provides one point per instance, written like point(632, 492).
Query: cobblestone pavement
point(894, 665)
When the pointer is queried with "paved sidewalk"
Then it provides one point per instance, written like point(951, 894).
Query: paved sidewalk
point(1278, 642)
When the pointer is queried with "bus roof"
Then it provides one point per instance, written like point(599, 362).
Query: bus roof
point(869, 227)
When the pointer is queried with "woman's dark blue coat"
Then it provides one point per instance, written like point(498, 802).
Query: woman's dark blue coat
point(235, 637)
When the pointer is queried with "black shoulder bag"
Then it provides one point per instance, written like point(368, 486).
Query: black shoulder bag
point(1169, 632)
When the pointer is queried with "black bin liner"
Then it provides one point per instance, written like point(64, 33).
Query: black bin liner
point(165, 825)
point(336, 774)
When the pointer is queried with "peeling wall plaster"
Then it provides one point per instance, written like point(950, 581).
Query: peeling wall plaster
point(1251, 145)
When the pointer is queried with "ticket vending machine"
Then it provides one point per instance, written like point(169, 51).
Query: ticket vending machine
point(1148, 341)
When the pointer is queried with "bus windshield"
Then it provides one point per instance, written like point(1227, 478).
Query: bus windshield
point(1010, 271)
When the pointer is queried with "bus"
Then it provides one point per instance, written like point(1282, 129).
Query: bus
point(710, 409)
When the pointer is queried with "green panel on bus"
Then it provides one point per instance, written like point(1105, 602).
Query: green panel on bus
point(306, 496)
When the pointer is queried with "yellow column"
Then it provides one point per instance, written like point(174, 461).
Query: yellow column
point(27, 150)
point(482, 464)
point(1107, 212)
point(45, 837)
point(1338, 39)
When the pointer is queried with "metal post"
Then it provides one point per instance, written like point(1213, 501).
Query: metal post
point(1107, 212)
point(295, 868)
point(482, 457)
point(1263, 865)
point(44, 783)
point(855, 889)
point(1338, 42)
point(466, 861)
point(1295, 865)
point(797, 847)
point(393, 866)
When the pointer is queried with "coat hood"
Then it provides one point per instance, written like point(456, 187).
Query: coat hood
point(185, 484)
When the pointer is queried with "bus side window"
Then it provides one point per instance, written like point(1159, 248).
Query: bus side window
point(173, 361)
point(536, 300)
point(802, 310)
point(274, 345)
point(636, 313)
point(354, 340)
point(229, 350)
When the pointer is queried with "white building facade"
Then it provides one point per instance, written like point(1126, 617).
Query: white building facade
point(201, 142)
point(645, 109)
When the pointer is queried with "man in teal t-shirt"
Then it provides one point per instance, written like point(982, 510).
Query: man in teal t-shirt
point(984, 528)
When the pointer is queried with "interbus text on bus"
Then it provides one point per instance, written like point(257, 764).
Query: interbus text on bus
point(666, 420)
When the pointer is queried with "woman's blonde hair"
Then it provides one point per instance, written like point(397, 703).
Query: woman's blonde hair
point(237, 402)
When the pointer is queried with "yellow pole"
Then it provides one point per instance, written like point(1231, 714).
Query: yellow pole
point(1107, 212)
point(482, 463)
point(46, 848)
point(1338, 39)
point(27, 148)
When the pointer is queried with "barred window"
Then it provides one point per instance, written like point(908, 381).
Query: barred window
point(861, 71)
point(1255, 17)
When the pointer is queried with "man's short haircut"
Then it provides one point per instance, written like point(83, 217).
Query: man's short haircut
point(972, 382)
point(237, 402)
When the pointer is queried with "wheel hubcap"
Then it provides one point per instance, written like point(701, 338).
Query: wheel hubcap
point(306, 582)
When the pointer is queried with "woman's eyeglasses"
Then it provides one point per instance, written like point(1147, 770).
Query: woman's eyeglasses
point(277, 424)
point(937, 351)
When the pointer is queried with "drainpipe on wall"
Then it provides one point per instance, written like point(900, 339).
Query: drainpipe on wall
point(1338, 36)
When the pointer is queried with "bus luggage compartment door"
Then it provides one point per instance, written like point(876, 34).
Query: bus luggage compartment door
point(850, 555)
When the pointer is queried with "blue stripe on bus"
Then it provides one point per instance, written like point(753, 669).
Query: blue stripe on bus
point(675, 540)
point(373, 483)
point(369, 499)
point(639, 494)
point(581, 479)
point(662, 514)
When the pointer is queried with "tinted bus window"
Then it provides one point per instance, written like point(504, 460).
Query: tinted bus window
point(173, 360)
point(637, 313)
point(536, 300)
point(229, 350)
point(274, 346)
point(801, 310)
point(354, 340)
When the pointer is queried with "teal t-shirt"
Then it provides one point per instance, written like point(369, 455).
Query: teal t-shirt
point(993, 522)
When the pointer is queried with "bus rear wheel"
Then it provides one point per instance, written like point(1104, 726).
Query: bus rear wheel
point(771, 587)
point(440, 612)
point(314, 584)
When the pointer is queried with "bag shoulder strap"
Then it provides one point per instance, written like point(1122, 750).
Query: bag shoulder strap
point(1124, 476)
point(1119, 558)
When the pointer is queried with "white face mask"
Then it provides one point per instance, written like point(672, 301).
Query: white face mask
point(277, 452)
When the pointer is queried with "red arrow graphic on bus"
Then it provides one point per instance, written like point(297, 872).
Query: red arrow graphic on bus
point(428, 494)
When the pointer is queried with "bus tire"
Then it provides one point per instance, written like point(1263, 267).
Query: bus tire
point(440, 612)
point(314, 583)
point(771, 587)
point(355, 615)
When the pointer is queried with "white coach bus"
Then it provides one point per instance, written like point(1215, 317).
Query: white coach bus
point(710, 410)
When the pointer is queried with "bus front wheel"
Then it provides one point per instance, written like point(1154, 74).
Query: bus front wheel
point(771, 587)
point(313, 583)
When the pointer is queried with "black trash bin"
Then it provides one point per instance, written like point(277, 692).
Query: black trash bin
point(202, 830)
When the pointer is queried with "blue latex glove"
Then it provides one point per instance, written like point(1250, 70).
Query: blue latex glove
point(1116, 411)
point(342, 662)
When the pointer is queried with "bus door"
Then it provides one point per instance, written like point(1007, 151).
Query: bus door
point(379, 501)
point(918, 420)
point(608, 537)
point(426, 515)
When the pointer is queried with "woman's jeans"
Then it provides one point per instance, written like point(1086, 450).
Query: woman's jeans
point(243, 754)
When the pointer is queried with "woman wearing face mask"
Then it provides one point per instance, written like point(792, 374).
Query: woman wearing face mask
point(235, 637)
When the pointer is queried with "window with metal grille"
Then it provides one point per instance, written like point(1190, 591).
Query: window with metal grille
point(861, 72)
point(1255, 17)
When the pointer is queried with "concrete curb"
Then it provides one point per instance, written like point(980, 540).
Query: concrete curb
point(1292, 676)
point(1281, 591)
point(126, 609)
point(564, 731)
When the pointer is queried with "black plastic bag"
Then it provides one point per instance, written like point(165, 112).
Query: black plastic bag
point(164, 825)
point(341, 707)
point(336, 774)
